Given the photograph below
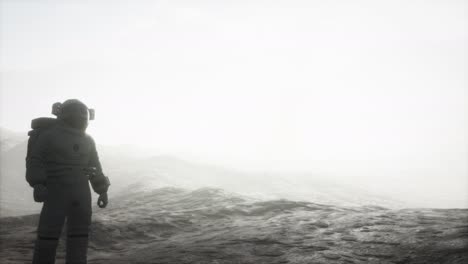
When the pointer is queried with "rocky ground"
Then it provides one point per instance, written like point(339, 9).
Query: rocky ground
point(172, 225)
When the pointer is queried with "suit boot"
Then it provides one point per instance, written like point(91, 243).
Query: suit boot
point(44, 250)
point(77, 249)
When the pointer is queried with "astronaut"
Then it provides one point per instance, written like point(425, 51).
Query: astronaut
point(61, 160)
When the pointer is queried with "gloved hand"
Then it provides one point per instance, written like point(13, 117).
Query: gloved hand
point(40, 193)
point(102, 200)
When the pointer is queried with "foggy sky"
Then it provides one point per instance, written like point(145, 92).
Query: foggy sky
point(373, 92)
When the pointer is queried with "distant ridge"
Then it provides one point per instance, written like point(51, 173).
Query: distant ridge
point(127, 166)
point(10, 138)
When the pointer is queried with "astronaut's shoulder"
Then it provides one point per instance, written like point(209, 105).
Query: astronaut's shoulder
point(89, 137)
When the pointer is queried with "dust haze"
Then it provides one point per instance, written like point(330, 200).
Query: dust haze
point(279, 97)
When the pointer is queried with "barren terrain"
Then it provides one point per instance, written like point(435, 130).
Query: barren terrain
point(172, 225)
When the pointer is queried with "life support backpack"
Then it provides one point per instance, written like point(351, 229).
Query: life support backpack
point(38, 125)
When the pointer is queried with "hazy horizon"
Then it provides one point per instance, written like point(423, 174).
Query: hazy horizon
point(370, 92)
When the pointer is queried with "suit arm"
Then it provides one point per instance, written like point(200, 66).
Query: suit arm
point(99, 181)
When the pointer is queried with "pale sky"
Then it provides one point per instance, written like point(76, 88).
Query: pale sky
point(368, 90)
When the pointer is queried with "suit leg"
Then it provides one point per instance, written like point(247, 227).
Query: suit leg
point(50, 226)
point(78, 223)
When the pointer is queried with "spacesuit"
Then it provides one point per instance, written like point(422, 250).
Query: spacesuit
point(59, 165)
